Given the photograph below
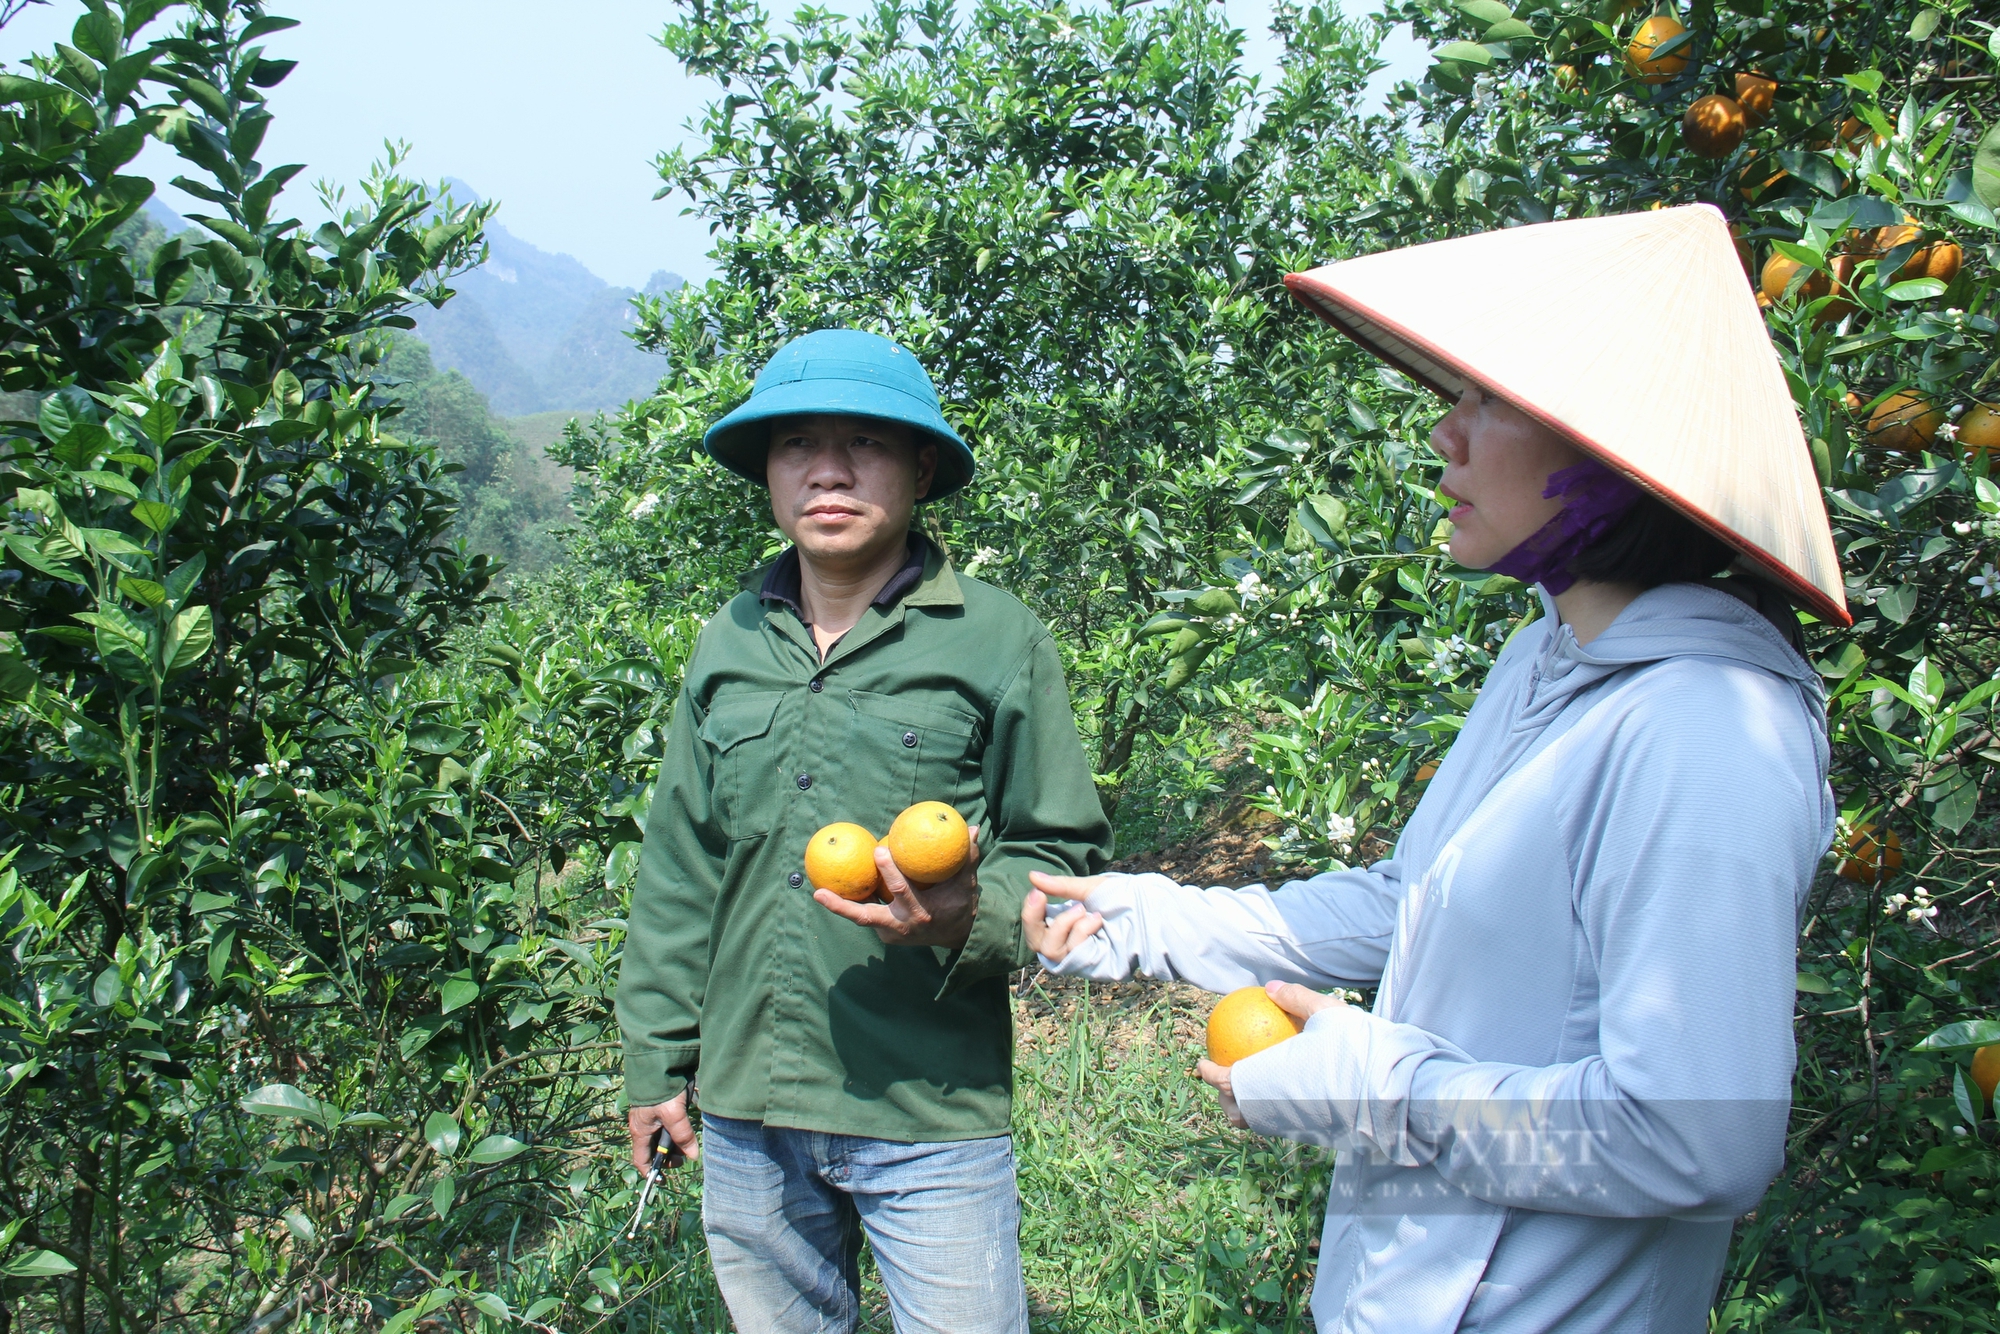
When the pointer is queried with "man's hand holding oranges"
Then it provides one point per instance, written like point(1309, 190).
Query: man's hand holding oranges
point(935, 842)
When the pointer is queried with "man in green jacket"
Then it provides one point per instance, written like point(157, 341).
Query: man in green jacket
point(854, 1062)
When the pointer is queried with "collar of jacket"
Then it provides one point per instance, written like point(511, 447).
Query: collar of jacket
point(938, 588)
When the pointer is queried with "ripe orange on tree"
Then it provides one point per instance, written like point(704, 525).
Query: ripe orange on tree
point(1979, 428)
point(1906, 421)
point(1945, 261)
point(841, 857)
point(1713, 126)
point(1777, 276)
point(1853, 130)
point(1245, 1022)
point(1653, 34)
point(929, 843)
point(1871, 853)
point(1756, 93)
point(1986, 1073)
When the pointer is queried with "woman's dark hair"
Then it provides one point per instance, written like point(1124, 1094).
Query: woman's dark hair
point(1653, 544)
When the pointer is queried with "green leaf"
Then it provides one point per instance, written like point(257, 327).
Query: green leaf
point(1964, 1033)
point(1485, 11)
point(542, 1306)
point(17, 677)
point(1945, 1157)
point(37, 1264)
point(29, 553)
point(1898, 603)
point(1916, 289)
point(1924, 24)
point(437, 738)
point(63, 411)
point(182, 581)
point(1507, 30)
point(443, 1195)
point(1814, 985)
point(156, 515)
point(492, 1304)
point(631, 672)
point(1464, 53)
point(1802, 254)
point(456, 993)
point(1968, 1097)
point(1215, 602)
point(399, 1206)
point(417, 1034)
point(442, 1133)
point(287, 1103)
point(621, 866)
point(1986, 169)
point(496, 1149)
point(366, 1121)
point(190, 638)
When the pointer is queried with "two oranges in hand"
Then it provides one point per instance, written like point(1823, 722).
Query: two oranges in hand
point(928, 842)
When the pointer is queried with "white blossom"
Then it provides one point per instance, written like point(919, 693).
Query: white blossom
point(1250, 587)
point(1340, 828)
point(1987, 580)
point(645, 505)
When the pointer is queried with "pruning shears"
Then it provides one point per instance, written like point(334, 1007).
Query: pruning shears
point(646, 1195)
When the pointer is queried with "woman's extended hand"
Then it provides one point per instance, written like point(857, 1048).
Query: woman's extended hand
point(1302, 1003)
point(1054, 940)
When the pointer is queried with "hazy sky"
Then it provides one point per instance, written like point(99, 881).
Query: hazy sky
point(556, 111)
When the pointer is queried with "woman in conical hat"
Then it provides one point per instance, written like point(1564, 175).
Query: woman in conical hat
point(1577, 1071)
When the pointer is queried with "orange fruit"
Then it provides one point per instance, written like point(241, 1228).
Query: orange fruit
point(1853, 130)
point(1986, 1073)
point(1884, 239)
point(929, 842)
point(1904, 420)
point(841, 857)
point(1714, 126)
point(1979, 428)
point(1945, 261)
point(1778, 271)
point(1756, 93)
point(1871, 853)
point(1653, 34)
point(1244, 1023)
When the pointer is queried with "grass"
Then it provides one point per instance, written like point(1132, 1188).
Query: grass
point(1142, 1208)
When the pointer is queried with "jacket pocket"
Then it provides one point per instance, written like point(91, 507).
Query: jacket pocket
point(738, 728)
point(924, 751)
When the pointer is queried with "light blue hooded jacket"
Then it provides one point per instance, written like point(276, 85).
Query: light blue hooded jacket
point(1577, 1071)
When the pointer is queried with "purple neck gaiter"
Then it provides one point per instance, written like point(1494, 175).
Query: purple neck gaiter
point(1597, 499)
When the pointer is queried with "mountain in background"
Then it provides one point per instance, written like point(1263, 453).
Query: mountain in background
point(534, 332)
point(538, 332)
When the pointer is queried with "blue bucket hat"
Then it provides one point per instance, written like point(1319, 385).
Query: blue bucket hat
point(848, 372)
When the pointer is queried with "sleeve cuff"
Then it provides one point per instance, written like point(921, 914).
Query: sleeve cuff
point(658, 1076)
point(995, 946)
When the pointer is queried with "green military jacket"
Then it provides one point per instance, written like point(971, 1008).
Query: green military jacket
point(788, 1014)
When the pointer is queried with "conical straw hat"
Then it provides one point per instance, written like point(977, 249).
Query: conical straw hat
point(1639, 339)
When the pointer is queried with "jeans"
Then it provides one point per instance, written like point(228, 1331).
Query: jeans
point(784, 1210)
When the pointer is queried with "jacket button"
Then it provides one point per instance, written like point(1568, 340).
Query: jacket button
point(909, 738)
point(796, 879)
point(817, 685)
point(805, 781)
